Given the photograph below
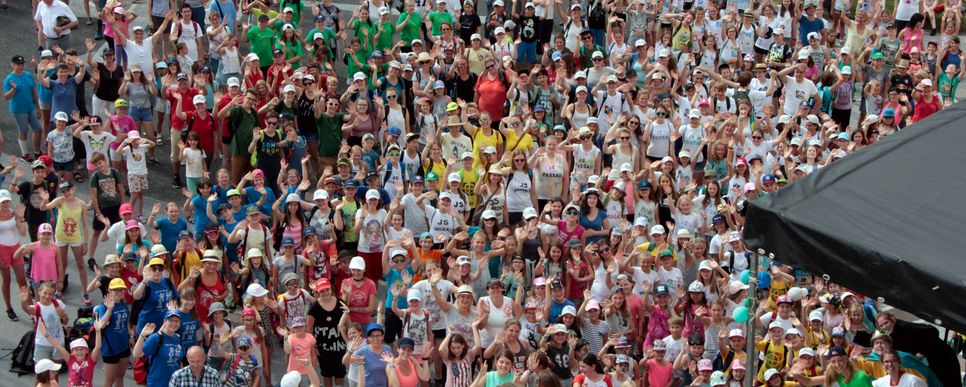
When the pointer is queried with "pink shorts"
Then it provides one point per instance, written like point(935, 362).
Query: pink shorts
point(6, 256)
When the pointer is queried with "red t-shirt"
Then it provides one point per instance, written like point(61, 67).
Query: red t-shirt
point(208, 295)
point(131, 279)
point(251, 79)
point(359, 298)
point(925, 107)
point(277, 75)
point(205, 127)
point(80, 373)
point(492, 95)
point(187, 105)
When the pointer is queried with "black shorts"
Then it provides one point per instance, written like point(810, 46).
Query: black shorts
point(112, 214)
point(64, 167)
point(439, 334)
point(157, 20)
point(515, 217)
point(330, 365)
point(116, 359)
point(394, 327)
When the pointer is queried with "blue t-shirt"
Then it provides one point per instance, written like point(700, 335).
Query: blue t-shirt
point(165, 359)
point(63, 96)
point(226, 11)
point(23, 99)
point(391, 277)
point(169, 231)
point(375, 367)
point(557, 308)
point(156, 298)
point(231, 249)
point(188, 330)
point(805, 26)
point(201, 214)
point(115, 335)
point(43, 93)
point(252, 196)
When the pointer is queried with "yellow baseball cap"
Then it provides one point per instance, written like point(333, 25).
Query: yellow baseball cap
point(117, 283)
point(156, 261)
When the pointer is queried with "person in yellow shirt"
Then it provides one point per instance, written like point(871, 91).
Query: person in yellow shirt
point(517, 138)
point(469, 175)
point(775, 352)
point(780, 283)
point(815, 334)
point(484, 136)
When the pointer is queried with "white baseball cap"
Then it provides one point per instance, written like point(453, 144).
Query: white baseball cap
point(357, 263)
point(199, 99)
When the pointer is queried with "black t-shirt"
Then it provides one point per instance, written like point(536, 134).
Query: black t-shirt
point(328, 341)
point(30, 193)
point(305, 116)
point(465, 87)
point(469, 25)
point(560, 360)
point(109, 83)
point(529, 28)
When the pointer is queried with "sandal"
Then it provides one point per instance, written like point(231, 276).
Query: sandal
point(78, 177)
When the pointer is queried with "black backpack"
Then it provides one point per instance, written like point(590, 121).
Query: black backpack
point(22, 361)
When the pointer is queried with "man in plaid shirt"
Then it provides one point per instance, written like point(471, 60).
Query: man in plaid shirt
point(196, 374)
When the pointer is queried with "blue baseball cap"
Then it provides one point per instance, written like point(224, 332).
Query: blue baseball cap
point(844, 136)
point(244, 341)
point(373, 327)
point(556, 56)
point(425, 235)
point(172, 313)
point(717, 218)
point(351, 183)
point(661, 290)
point(644, 185)
point(395, 131)
point(417, 179)
point(769, 179)
point(309, 231)
point(288, 241)
point(889, 112)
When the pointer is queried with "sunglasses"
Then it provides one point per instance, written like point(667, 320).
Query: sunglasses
point(157, 268)
point(756, 137)
point(271, 122)
point(393, 153)
point(598, 59)
point(243, 347)
point(447, 29)
point(661, 114)
point(623, 138)
point(572, 213)
point(391, 97)
point(520, 160)
point(399, 260)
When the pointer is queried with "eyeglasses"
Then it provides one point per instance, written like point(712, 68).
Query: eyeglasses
point(634, 122)
point(271, 122)
point(661, 114)
point(243, 347)
point(447, 29)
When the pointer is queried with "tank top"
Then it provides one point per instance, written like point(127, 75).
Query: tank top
point(229, 62)
point(619, 158)
point(294, 230)
point(48, 313)
point(69, 224)
point(660, 139)
point(411, 164)
point(518, 192)
point(43, 265)
point(550, 178)
point(584, 161)
point(396, 118)
point(139, 95)
point(9, 236)
point(746, 38)
point(596, 224)
point(495, 202)
point(326, 331)
point(411, 380)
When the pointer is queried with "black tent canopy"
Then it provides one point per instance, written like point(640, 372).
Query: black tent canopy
point(888, 221)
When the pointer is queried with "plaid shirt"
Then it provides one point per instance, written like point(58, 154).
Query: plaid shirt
point(185, 378)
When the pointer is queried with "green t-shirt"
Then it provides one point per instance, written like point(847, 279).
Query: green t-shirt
point(107, 188)
point(348, 218)
point(437, 19)
point(292, 50)
point(410, 31)
point(385, 38)
point(242, 122)
point(351, 66)
point(357, 31)
point(330, 134)
point(860, 379)
point(296, 6)
point(262, 40)
point(493, 378)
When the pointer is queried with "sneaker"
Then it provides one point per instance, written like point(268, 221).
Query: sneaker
point(12, 315)
point(158, 141)
point(29, 158)
point(98, 36)
point(142, 219)
point(91, 264)
point(154, 161)
point(59, 295)
point(176, 183)
point(87, 298)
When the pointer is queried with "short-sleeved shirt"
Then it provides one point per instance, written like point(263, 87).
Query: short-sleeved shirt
point(169, 231)
point(243, 121)
point(165, 353)
point(375, 367)
point(23, 99)
point(107, 188)
point(262, 40)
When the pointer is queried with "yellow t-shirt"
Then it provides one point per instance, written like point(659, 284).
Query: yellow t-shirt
point(439, 168)
point(469, 179)
point(481, 140)
point(189, 259)
point(514, 143)
point(775, 355)
point(779, 287)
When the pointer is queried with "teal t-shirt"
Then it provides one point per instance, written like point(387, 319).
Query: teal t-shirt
point(262, 40)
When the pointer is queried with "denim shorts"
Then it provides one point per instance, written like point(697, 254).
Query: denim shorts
point(27, 121)
point(68, 166)
point(141, 114)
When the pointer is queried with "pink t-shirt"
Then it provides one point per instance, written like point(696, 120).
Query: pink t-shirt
point(124, 125)
point(301, 349)
point(564, 235)
point(658, 375)
point(121, 26)
point(359, 298)
point(80, 373)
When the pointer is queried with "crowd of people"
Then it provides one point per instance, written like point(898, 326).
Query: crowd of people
point(529, 193)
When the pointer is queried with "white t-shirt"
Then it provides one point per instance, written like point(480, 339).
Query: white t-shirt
point(371, 235)
point(47, 15)
point(436, 315)
point(96, 143)
point(117, 230)
point(441, 224)
point(194, 162)
point(906, 380)
point(906, 8)
point(611, 106)
point(796, 93)
point(141, 54)
point(134, 159)
point(188, 34)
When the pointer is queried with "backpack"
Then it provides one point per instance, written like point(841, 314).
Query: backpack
point(22, 358)
point(261, 135)
point(142, 366)
point(241, 244)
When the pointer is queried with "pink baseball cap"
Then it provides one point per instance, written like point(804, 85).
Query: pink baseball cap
point(132, 224)
point(539, 281)
point(126, 208)
point(45, 228)
point(258, 174)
